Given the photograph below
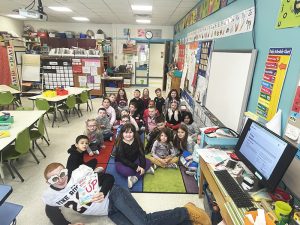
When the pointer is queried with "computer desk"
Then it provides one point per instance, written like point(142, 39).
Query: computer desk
point(230, 213)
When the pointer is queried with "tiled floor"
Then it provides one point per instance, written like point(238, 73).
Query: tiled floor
point(29, 193)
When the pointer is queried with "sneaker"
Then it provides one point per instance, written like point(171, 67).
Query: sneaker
point(150, 170)
point(154, 166)
point(110, 139)
point(131, 181)
point(191, 173)
point(197, 215)
point(99, 169)
point(172, 165)
point(96, 152)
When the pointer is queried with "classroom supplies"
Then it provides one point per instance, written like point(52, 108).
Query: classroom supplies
point(252, 216)
point(282, 210)
point(4, 133)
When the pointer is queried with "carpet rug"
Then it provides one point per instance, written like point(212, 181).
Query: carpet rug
point(167, 180)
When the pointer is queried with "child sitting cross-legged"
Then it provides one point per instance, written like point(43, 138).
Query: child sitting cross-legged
point(95, 136)
point(76, 152)
point(163, 152)
point(104, 124)
point(150, 119)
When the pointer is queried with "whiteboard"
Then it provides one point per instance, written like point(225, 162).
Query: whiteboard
point(229, 84)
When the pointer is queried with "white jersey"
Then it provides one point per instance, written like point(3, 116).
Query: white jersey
point(69, 197)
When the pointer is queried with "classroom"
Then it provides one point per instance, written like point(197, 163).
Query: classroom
point(149, 112)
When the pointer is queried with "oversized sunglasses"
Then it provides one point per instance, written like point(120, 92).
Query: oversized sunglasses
point(55, 178)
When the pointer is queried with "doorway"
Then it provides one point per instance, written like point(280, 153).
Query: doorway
point(156, 64)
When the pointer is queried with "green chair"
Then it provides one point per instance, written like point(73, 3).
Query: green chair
point(69, 105)
point(17, 96)
point(82, 99)
point(43, 104)
point(6, 99)
point(14, 152)
point(38, 133)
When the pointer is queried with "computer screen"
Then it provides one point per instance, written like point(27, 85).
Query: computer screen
point(265, 153)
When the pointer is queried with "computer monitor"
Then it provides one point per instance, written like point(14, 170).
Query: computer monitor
point(266, 154)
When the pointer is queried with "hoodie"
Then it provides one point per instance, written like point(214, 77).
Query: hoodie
point(75, 159)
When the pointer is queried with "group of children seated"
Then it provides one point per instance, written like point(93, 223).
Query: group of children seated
point(161, 128)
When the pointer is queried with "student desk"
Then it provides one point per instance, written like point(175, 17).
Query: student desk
point(104, 80)
point(8, 211)
point(230, 213)
point(60, 98)
point(22, 120)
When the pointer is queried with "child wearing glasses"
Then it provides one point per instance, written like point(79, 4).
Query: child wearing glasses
point(76, 153)
point(96, 141)
point(112, 201)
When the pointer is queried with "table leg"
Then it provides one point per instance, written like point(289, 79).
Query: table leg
point(1, 168)
point(55, 113)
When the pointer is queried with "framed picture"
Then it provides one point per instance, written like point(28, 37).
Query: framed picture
point(18, 56)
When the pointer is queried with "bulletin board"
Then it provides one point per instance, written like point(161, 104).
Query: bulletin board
point(230, 79)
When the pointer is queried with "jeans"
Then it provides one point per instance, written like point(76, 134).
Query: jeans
point(108, 135)
point(124, 210)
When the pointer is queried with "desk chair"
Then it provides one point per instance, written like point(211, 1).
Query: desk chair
point(69, 105)
point(38, 133)
point(43, 104)
point(82, 99)
point(14, 152)
point(6, 99)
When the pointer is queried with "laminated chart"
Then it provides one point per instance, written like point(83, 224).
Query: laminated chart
point(273, 79)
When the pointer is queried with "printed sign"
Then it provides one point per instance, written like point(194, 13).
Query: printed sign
point(273, 79)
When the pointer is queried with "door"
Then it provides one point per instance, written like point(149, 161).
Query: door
point(156, 64)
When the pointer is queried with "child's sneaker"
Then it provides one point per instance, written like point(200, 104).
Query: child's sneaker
point(91, 154)
point(191, 173)
point(96, 152)
point(99, 169)
point(110, 139)
point(150, 170)
point(131, 181)
point(172, 165)
point(154, 166)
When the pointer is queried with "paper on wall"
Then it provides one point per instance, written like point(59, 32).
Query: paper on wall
point(86, 69)
point(292, 132)
point(94, 71)
point(275, 123)
point(82, 79)
point(97, 79)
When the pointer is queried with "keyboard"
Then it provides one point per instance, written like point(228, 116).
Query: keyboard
point(238, 195)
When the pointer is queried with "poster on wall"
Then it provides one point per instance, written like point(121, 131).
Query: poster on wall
point(204, 57)
point(289, 14)
point(15, 80)
point(141, 33)
point(181, 56)
point(273, 79)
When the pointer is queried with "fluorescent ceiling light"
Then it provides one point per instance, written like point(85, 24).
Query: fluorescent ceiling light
point(60, 9)
point(80, 18)
point(16, 16)
point(141, 7)
point(143, 21)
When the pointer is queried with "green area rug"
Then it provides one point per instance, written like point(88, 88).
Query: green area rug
point(164, 180)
